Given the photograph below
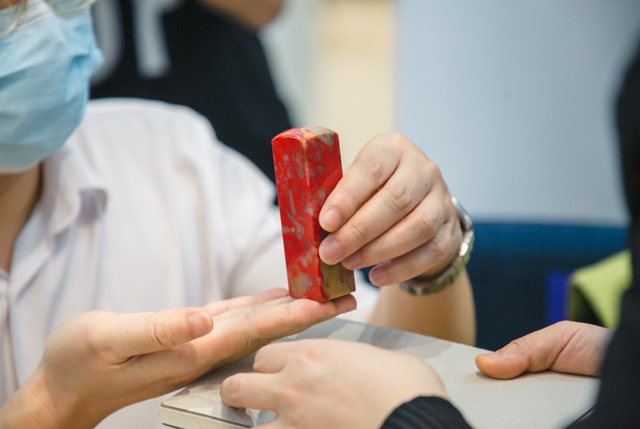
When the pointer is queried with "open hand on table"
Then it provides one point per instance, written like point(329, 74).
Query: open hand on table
point(569, 347)
point(327, 383)
point(100, 361)
point(391, 209)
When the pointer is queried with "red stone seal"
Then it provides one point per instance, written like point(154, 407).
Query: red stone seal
point(308, 168)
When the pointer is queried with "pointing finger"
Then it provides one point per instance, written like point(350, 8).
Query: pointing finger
point(239, 336)
point(219, 307)
point(367, 173)
point(417, 228)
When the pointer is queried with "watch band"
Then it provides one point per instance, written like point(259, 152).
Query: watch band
point(436, 283)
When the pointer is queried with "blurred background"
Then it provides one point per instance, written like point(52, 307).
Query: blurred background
point(513, 100)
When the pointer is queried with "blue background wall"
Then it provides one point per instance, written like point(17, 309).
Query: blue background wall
point(514, 101)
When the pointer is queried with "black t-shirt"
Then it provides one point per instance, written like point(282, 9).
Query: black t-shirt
point(618, 404)
point(218, 68)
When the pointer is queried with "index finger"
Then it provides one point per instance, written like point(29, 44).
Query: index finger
point(220, 307)
point(370, 170)
point(236, 337)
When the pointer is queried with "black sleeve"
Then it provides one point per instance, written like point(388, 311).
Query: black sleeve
point(426, 412)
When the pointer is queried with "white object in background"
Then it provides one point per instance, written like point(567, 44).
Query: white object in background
point(289, 46)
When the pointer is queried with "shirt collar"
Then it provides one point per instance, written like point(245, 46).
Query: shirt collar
point(67, 178)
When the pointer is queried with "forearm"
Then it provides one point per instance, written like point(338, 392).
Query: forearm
point(252, 13)
point(449, 315)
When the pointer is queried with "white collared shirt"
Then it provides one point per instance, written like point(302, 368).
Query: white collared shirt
point(143, 209)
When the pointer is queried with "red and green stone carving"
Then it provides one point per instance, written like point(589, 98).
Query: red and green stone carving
point(308, 168)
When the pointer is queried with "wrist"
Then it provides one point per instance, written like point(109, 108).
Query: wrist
point(440, 277)
point(40, 405)
point(29, 407)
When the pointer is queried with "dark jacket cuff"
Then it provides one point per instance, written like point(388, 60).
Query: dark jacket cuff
point(426, 412)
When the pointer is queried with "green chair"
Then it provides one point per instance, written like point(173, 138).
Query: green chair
point(596, 290)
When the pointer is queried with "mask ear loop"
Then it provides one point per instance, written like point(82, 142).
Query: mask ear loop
point(22, 8)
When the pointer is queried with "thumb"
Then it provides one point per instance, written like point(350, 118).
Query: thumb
point(141, 333)
point(532, 353)
point(569, 347)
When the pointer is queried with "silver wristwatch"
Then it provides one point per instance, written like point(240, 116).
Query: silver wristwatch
point(436, 283)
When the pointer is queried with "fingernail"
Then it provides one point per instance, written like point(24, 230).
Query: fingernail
point(330, 220)
point(352, 261)
point(330, 250)
point(346, 310)
point(491, 356)
point(378, 275)
point(199, 324)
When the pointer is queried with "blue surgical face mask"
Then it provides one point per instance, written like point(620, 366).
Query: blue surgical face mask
point(45, 66)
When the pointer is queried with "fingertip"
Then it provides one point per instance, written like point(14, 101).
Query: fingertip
point(224, 391)
point(497, 365)
point(200, 323)
point(490, 356)
point(345, 304)
point(330, 250)
point(330, 219)
point(379, 275)
point(274, 293)
point(483, 362)
point(234, 390)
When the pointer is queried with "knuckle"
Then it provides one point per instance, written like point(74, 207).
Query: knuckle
point(521, 345)
point(400, 197)
point(434, 172)
point(289, 398)
point(233, 389)
point(426, 225)
point(258, 342)
point(312, 353)
point(411, 267)
point(92, 331)
point(374, 168)
point(161, 334)
point(350, 199)
point(256, 339)
point(98, 344)
point(306, 356)
point(396, 139)
point(439, 249)
point(360, 231)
